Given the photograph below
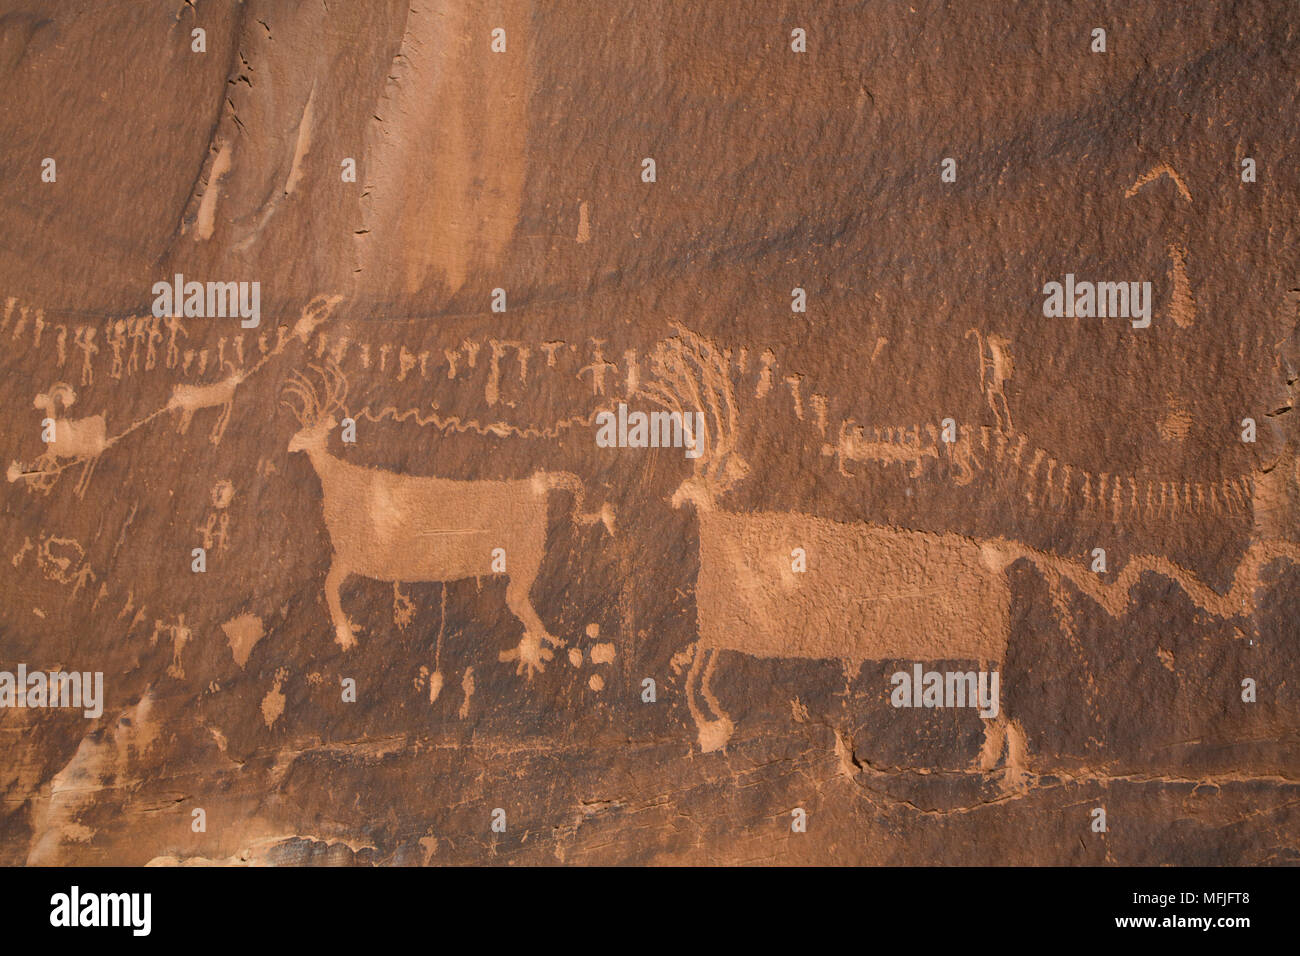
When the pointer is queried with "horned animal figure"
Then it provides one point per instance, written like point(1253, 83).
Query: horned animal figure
point(190, 398)
point(77, 438)
point(403, 528)
point(870, 592)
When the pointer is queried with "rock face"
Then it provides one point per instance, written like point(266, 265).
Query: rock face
point(932, 561)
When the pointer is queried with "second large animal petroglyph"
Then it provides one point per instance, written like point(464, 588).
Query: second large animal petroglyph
point(875, 592)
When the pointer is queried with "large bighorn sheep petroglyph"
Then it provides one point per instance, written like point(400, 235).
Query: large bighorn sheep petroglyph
point(403, 528)
point(872, 592)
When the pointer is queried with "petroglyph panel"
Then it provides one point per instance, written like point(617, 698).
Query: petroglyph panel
point(413, 540)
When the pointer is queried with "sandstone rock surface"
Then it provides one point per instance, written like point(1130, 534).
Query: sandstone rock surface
point(458, 612)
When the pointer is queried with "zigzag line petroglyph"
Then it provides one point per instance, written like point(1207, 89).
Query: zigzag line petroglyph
point(499, 429)
point(1113, 592)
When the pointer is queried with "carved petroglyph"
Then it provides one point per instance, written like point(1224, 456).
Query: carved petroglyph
point(1177, 422)
point(1154, 173)
point(599, 368)
point(59, 559)
point(214, 531)
point(877, 592)
point(243, 633)
point(1182, 304)
point(492, 388)
point(1044, 481)
point(403, 528)
point(180, 635)
point(85, 341)
point(83, 440)
point(1113, 593)
point(1276, 503)
point(1051, 485)
point(140, 346)
point(996, 369)
point(584, 223)
point(455, 424)
point(190, 398)
point(908, 445)
point(79, 439)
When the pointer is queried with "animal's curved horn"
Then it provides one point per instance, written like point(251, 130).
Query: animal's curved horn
point(694, 374)
point(333, 388)
point(337, 384)
point(299, 386)
point(296, 410)
point(59, 391)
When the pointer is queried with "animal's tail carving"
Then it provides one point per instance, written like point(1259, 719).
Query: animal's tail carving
point(1113, 591)
point(567, 481)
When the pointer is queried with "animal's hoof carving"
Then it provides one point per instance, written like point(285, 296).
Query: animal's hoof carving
point(344, 638)
point(530, 655)
point(714, 734)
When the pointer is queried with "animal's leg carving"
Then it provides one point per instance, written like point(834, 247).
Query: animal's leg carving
point(1004, 735)
point(219, 429)
point(707, 692)
point(46, 468)
point(333, 582)
point(84, 481)
point(713, 734)
point(531, 654)
point(995, 733)
point(1006, 411)
point(1017, 747)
